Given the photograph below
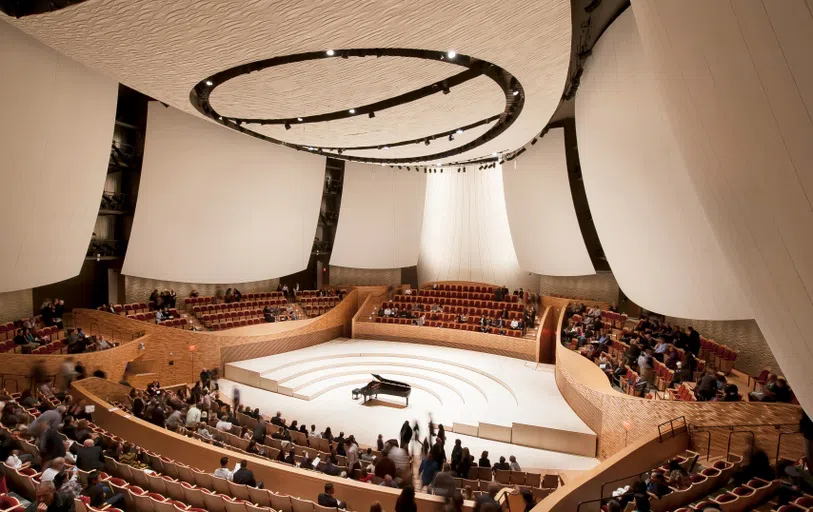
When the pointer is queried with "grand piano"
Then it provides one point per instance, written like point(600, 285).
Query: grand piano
point(382, 386)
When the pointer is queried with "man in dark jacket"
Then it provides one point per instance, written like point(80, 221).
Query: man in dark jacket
point(245, 476)
point(326, 498)
point(52, 445)
point(259, 432)
point(89, 456)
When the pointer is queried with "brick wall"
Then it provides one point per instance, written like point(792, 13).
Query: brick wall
point(742, 335)
point(362, 276)
point(16, 305)
point(602, 287)
point(138, 289)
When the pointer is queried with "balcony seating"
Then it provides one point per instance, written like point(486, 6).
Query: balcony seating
point(719, 356)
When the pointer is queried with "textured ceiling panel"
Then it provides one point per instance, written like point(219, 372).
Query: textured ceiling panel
point(325, 85)
point(164, 48)
point(414, 150)
point(468, 103)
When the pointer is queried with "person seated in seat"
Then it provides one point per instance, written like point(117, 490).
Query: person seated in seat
point(501, 465)
point(100, 494)
point(223, 471)
point(484, 462)
point(27, 340)
point(730, 393)
point(513, 464)
point(657, 485)
point(678, 477)
point(245, 476)
point(327, 498)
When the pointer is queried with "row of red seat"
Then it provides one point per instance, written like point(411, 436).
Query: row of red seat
point(717, 354)
point(192, 301)
point(466, 310)
point(242, 323)
point(463, 295)
point(237, 306)
point(490, 304)
point(319, 300)
point(465, 288)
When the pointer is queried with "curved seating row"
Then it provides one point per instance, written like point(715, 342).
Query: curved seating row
point(516, 333)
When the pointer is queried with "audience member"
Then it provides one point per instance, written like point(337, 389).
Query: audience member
point(327, 499)
point(245, 476)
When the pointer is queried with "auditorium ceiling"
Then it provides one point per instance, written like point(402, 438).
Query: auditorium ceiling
point(169, 50)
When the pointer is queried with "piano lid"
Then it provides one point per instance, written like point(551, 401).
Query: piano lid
point(390, 381)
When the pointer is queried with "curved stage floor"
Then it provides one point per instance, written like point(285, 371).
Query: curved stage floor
point(457, 387)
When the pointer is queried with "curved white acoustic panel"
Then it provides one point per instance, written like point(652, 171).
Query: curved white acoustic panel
point(465, 235)
point(737, 84)
point(540, 210)
point(652, 226)
point(215, 206)
point(380, 218)
point(55, 135)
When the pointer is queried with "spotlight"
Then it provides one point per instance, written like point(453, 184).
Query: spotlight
point(533, 142)
point(451, 54)
point(459, 130)
point(299, 119)
point(287, 125)
point(426, 141)
point(464, 170)
point(441, 171)
point(451, 137)
point(352, 111)
point(480, 168)
point(399, 166)
point(239, 122)
point(446, 89)
point(371, 115)
point(458, 170)
point(516, 93)
point(330, 53)
point(424, 171)
point(341, 151)
point(209, 83)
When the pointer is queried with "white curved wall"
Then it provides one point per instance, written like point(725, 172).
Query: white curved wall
point(738, 89)
point(380, 217)
point(465, 234)
point(215, 206)
point(55, 135)
point(652, 226)
point(540, 210)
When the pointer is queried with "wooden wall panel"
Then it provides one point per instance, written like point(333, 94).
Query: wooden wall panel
point(519, 348)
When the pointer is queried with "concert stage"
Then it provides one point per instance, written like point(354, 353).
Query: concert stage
point(504, 405)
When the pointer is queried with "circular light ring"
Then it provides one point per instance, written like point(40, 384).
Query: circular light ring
point(199, 97)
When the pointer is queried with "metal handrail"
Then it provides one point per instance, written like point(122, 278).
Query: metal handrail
point(731, 434)
point(779, 441)
point(671, 426)
point(708, 444)
point(579, 506)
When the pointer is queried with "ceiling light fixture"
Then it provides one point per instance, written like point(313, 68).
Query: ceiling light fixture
point(516, 93)
point(426, 142)
point(460, 130)
point(451, 137)
point(209, 83)
point(299, 119)
point(352, 111)
point(287, 125)
point(371, 114)
point(446, 89)
point(451, 54)
point(386, 147)
point(330, 53)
